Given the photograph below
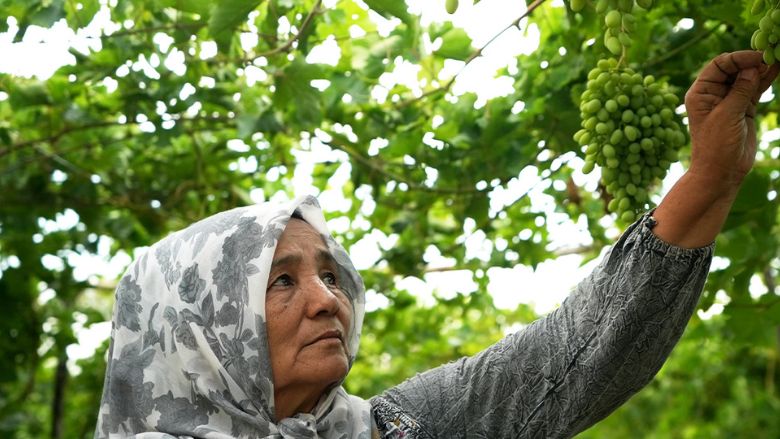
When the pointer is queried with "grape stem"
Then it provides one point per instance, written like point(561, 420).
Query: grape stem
point(624, 52)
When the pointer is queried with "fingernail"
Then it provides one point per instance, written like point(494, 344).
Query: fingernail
point(748, 74)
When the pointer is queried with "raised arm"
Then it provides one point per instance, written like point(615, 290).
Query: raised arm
point(610, 337)
point(721, 106)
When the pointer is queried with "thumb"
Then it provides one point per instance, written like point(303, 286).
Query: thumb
point(743, 91)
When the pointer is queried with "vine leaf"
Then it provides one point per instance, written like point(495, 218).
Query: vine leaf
point(225, 18)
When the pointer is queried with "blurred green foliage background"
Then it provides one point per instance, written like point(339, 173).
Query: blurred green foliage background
point(135, 145)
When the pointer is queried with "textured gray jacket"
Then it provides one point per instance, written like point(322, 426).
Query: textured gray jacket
point(570, 369)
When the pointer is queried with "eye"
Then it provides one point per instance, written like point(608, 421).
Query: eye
point(282, 281)
point(330, 278)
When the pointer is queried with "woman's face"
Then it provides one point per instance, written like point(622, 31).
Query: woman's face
point(307, 314)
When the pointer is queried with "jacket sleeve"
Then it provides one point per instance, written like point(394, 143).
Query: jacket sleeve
point(573, 367)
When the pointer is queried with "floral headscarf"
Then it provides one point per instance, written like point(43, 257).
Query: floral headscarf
point(189, 355)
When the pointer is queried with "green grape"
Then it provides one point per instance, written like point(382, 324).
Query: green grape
point(631, 131)
point(758, 7)
point(616, 137)
point(613, 19)
point(577, 5)
point(644, 4)
point(766, 24)
point(451, 6)
point(626, 5)
point(769, 56)
point(613, 45)
point(588, 167)
point(767, 37)
point(624, 39)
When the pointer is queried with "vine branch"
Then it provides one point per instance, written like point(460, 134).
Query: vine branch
point(371, 164)
point(682, 47)
point(103, 124)
point(474, 55)
point(291, 41)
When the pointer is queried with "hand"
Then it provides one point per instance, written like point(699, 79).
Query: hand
point(721, 106)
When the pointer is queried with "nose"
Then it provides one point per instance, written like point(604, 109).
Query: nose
point(320, 300)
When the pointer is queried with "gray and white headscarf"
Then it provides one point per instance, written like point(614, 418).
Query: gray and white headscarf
point(189, 355)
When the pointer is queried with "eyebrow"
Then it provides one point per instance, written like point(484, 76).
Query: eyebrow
point(325, 256)
point(322, 256)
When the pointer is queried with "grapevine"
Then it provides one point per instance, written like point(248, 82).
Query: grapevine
point(629, 125)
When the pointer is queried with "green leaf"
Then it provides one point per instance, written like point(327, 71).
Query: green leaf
point(456, 44)
point(29, 95)
point(406, 142)
point(293, 88)
point(200, 7)
point(266, 123)
point(46, 16)
point(436, 30)
point(752, 193)
point(225, 18)
point(80, 13)
point(391, 8)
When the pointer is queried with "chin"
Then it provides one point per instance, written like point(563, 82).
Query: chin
point(334, 369)
point(325, 366)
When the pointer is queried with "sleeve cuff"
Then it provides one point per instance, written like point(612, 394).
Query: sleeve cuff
point(642, 230)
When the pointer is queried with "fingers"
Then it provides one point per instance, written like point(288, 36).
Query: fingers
point(744, 91)
point(767, 78)
point(739, 78)
point(701, 87)
point(724, 68)
point(718, 76)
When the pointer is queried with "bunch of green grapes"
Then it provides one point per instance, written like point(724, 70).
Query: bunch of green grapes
point(768, 34)
point(630, 130)
point(618, 18)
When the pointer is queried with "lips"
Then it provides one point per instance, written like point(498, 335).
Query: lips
point(332, 333)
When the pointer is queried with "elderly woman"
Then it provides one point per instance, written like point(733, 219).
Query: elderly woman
point(245, 324)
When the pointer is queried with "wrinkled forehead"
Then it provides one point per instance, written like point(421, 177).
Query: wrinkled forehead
point(299, 241)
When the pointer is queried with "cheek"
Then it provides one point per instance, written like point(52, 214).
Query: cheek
point(280, 327)
point(345, 314)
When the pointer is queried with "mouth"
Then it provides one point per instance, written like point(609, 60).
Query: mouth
point(330, 335)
